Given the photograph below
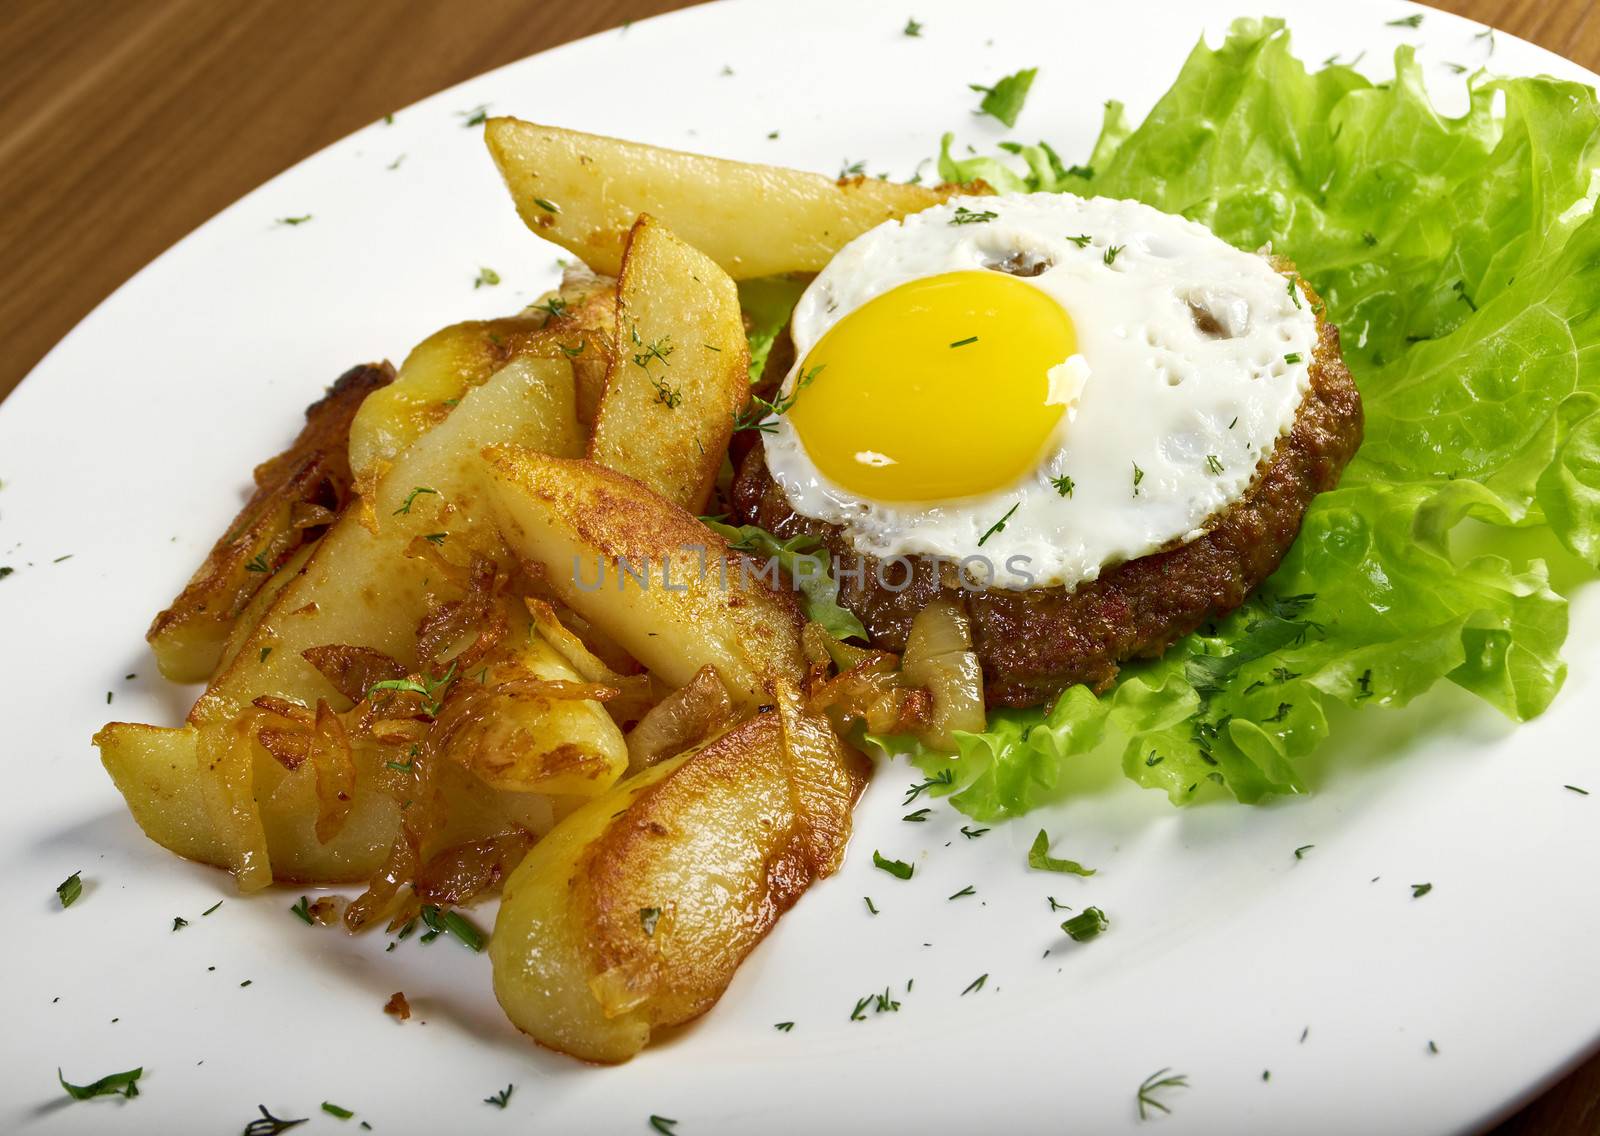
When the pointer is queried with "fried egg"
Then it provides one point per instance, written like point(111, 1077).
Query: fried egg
point(1039, 385)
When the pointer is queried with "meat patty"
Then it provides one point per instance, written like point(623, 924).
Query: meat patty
point(1035, 643)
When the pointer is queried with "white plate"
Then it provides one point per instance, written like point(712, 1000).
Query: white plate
point(129, 445)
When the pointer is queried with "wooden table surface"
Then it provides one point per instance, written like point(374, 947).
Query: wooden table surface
point(123, 125)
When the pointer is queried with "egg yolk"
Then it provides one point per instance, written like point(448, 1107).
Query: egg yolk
point(936, 389)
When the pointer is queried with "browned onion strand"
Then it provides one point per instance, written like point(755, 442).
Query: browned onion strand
point(939, 658)
point(680, 721)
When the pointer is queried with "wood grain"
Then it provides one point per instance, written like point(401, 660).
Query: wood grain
point(124, 125)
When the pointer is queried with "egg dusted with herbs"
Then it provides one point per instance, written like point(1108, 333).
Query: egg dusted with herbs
point(1097, 422)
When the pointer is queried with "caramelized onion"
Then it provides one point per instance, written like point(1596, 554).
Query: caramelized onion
point(352, 670)
point(464, 872)
point(874, 694)
point(680, 721)
point(939, 658)
point(335, 770)
point(383, 889)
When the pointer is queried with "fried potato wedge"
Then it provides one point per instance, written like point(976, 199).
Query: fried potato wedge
point(646, 573)
point(442, 368)
point(297, 493)
point(359, 587)
point(532, 730)
point(681, 373)
point(250, 618)
point(587, 306)
point(158, 773)
point(633, 913)
point(583, 191)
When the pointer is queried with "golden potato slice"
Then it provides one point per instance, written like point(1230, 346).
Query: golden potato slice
point(157, 772)
point(528, 729)
point(256, 610)
point(634, 913)
point(297, 494)
point(450, 362)
point(359, 588)
point(680, 374)
point(583, 192)
point(645, 573)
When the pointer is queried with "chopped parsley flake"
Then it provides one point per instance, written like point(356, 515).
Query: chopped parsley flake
point(1086, 924)
point(1412, 21)
point(477, 116)
point(269, 1125)
point(1420, 890)
point(486, 278)
point(466, 932)
point(756, 417)
point(412, 496)
point(1000, 525)
point(335, 1110)
point(69, 889)
point(1153, 1084)
point(943, 777)
point(912, 29)
point(300, 220)
point(1138, 476)
point(1005, 99)
point(112, 1084)
point(899, 869)
point(1039, 858)
point(965, 216)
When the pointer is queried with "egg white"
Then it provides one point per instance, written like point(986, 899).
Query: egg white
point(1165, 424)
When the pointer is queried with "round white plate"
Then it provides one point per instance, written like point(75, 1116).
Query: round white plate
point(1227, 958)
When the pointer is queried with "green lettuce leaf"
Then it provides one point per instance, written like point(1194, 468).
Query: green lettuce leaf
point(1461, 259)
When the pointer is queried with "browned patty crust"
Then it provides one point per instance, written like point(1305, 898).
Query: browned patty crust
point(1033, 644)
